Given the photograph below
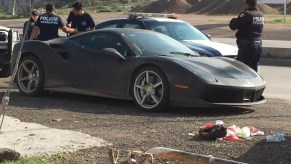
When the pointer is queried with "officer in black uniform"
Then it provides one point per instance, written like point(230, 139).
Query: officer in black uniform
point(48, 24)
point(80, 19)
point(28, 25)
point(249, 25)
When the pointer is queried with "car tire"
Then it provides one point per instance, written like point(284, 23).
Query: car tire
point(5, 71)
point(30, 76)
point(150, 89)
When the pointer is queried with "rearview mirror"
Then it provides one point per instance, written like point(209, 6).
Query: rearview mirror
point(208, 36)
point(112, 52)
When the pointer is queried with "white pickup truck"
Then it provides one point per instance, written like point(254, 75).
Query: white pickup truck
point(8, 38)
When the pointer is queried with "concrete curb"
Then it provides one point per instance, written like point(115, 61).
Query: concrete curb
point(276, 53)
point(275, 62)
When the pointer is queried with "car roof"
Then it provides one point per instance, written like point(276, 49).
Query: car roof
point(118, 31)
point(122, 30)
point(148, 19)
point(2, 28)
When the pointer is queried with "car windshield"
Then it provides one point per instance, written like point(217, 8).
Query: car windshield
point(177, 30)
point(149, 43)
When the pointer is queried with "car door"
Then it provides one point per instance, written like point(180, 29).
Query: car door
point(92, 70)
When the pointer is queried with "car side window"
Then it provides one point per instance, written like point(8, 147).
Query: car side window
point(100, 41)
point(131, 25)
point(161, 29)
point(110, 26)
point(3, 37)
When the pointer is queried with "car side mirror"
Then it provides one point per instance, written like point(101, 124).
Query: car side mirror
point(112, 52)
point(208, 36)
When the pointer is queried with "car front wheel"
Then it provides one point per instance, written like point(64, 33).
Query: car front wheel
point(151, 89)
point(30, 76)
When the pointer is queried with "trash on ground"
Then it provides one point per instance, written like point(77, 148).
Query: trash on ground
point(215, 131)
point(212, 132)
point(255, 131)
point(232, 133)
point(278, 137)
point(244, 132)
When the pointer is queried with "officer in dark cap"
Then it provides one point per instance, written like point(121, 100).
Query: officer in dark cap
point(48, 24)
point(249, 25)
point(28, 25)
point(79, 19)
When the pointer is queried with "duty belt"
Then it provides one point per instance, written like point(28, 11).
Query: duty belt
point(243, 41)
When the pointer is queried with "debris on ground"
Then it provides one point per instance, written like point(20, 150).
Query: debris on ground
point(188, 157)
point(278, 137)
point(133, 157)
point(215, 131)
point(8, 155)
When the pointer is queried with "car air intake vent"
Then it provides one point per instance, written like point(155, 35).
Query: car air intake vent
point(60, 50)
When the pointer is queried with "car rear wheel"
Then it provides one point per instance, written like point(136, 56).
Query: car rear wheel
point(30, 76)
point(150, 89)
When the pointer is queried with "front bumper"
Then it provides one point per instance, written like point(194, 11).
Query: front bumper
point(215, 96)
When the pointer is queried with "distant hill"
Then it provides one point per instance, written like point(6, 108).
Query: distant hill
point(210, 7)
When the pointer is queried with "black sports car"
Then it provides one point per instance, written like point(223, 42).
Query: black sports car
point(151, 68)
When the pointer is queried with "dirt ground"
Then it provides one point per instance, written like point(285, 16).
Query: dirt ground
point(120, 123)
point(215, 25)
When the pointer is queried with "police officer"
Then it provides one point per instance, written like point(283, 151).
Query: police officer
point(80, 19)
point(28, 25)
point(48, 24)
point(249, 25)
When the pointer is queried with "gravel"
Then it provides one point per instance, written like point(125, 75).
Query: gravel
point(122, 124)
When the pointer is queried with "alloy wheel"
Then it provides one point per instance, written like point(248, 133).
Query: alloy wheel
point(28, 76)
point(148, 89)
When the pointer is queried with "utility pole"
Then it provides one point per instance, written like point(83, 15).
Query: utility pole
point(14, 7)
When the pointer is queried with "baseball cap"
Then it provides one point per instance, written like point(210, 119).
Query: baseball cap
point(34, 13)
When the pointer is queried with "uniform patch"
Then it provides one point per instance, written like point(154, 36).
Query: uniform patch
point(241, 15)
point(258, 20)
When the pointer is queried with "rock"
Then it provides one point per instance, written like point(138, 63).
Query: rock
point(8, 154)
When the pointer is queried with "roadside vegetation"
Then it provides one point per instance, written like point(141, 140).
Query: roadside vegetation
point(37, 160)
point(278, 21)
point(3, 16)
point(63, 8)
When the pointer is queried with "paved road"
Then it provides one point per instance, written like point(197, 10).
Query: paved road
point(278, 81)
point(266, 43)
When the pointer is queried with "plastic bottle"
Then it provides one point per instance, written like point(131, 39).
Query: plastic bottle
point(278, 137)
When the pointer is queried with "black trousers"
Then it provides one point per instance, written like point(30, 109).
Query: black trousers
point(249, 52)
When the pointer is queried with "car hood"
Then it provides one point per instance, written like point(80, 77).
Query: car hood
point(209, 48)
point(220, 70)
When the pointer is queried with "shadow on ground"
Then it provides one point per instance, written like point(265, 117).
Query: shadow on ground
point(98, 105)
point(267, 152)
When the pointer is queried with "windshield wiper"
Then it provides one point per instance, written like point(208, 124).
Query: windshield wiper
point(184, 53)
